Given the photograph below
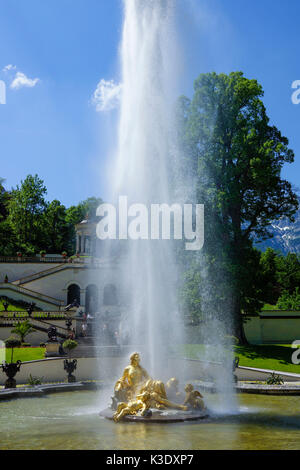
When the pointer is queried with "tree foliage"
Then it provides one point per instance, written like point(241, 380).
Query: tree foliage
point(22, 329)
point(56, 228)
point(289, 301)
point(281, 274)
point(26, 208)
point(30, 224)
point(235, 157)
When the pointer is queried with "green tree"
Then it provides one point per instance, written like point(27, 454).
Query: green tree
point(252, 281)
point(268, 264)
point(281, 274)
point(26, 208)
point(235, 157)
point(22, 329)
point(28, 223)
point(12, 343)
point(57, 230)
point(3, 199)
point(288, 272)
point(189, 294)
point(289, 301)
point(7, 239)
point(8, 242)
point(85, 209)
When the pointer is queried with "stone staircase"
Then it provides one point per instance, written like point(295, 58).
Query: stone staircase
point(88, 347)
point(30, 294)
point(42, 325)
point(40, 274)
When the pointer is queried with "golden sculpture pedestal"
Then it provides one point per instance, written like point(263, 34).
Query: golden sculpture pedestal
point(159, 417)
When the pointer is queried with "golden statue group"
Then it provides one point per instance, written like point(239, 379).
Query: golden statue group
point(136, 392)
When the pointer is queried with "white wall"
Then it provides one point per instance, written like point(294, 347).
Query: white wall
point(15, 294)
point(15, 271)
point(110, 369)
point(53, 370)
point(273, 327)
point(56, 284)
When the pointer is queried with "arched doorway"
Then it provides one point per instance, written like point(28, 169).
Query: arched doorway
point(73, 293)
point(91, 299)
point(110, 295)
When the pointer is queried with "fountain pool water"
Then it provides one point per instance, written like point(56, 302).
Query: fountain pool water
point(70, 420)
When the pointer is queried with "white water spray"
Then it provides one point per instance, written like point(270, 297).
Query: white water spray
point(141, 173)
point(145, 155)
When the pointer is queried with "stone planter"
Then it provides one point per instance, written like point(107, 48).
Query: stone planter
point(70, 366)
point(11, 370)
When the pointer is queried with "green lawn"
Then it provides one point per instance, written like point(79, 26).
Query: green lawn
point(271, 356)
point(25, 354)
point(269, 307)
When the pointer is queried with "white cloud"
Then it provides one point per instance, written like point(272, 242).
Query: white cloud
point(21, 80)
point(107, 95)
point(9, 67)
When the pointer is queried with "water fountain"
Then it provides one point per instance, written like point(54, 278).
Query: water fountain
point(143, 174)
point(70, 420)
point(137, 397)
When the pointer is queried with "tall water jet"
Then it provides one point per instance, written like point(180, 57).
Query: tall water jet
point(142, 172)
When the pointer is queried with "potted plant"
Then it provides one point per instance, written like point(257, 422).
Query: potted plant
point(19, 255)
point(64, 254)
point(42, 253)
point(69, 365)
point(274, 379)
point(34, 381)
point(11, 368)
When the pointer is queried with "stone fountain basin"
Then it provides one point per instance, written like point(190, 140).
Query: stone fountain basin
point(160, 416)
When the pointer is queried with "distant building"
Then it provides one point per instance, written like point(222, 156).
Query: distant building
point(86, 240)
point(91, 276)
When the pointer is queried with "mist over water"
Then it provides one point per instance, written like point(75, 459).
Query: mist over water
point(146, 152)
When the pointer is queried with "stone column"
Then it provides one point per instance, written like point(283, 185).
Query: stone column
point(82, 297)
point(94, 246)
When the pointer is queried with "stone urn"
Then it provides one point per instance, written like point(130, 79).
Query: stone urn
point(70, 366)
point(11, 370)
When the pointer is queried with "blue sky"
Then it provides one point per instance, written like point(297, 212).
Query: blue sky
point(50, 127)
